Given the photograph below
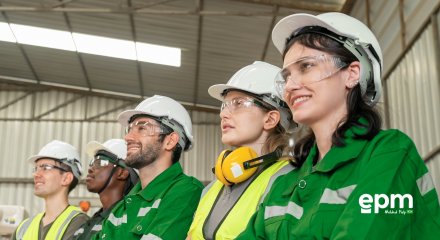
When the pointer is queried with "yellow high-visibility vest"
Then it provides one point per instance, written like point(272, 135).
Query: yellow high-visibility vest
point(29, 228)
point(236, 220)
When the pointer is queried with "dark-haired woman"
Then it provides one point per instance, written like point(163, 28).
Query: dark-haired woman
point(353, 180)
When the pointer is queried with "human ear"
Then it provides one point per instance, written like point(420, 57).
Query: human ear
point(271, 119)
point(353, 71)
point(171, 141)
point(122, 174)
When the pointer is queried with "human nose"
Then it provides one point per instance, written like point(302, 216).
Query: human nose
point(129, 135)
point(292, 84)
point(37, 172)
point(225, 112)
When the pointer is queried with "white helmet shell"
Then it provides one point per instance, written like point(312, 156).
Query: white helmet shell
point(115, 146)
point(61, 152)
point(164, 107)
point(345, 26)
point(257, 78)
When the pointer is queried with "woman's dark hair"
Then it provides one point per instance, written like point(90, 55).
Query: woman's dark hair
point(356, 107)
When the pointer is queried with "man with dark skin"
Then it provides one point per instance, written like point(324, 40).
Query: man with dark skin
point(109, 177)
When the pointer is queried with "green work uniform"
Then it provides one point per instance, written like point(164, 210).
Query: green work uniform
point(94, 225)
point(344, 196)
point(162, 210)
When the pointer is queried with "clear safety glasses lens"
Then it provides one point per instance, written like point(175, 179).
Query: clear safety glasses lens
point(238, 103)
point(101, 161)
point(308, 70)
point(144, 128)
point(47, 167)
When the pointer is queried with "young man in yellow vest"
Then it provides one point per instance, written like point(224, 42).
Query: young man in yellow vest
point(57, 170)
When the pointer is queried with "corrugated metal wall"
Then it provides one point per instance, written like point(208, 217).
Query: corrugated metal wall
point(62, 116)
point(412, 86)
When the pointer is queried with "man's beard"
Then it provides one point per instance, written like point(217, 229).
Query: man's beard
point(144, 157)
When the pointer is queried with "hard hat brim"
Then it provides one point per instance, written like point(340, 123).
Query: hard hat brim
point(216, 91)
point(34, 158)
point(93, 147)
point(125, 116)
point(286, 26)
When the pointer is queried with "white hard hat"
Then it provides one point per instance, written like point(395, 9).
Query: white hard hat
point(352, 33)
point(169, 112)
point(63, 153)
point(257, 78)
point(115, 146)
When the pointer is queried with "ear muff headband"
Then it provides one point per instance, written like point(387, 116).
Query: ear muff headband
point(240, 164)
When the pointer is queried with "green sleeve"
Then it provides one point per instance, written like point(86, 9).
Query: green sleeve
point(391, 171)
point(255, 229)
point(176, 211)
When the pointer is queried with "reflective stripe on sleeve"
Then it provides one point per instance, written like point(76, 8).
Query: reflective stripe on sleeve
point(275, 211)
point(97, 227)
point(117, 221)
point(78, 232)
point(338, 196)
point(143, 211)
point(150, 237)
point(425, 184)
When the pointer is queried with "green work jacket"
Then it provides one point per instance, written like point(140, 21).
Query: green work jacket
point(377, 189)
point(93, 225)
point(162, 210)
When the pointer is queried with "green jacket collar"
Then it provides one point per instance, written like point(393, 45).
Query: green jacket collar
point(160, 183)
point(338, 156)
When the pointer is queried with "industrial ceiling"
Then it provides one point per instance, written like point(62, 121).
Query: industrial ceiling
point(217, 37)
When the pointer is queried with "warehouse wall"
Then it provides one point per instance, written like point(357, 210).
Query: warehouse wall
point(62, 117)
point(408, 32)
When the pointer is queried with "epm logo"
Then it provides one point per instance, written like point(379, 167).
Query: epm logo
point(394, 204)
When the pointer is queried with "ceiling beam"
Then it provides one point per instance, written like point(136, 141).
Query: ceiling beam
point(269, 34)
point(348, 6)
point(28, 84)
point(74, 99)
point(80, 58)
point(135, 11)
point(138, 64)
point(300, 5)
point(25, 95)
point(23, 52)
point(199, 6)
point(124, 105)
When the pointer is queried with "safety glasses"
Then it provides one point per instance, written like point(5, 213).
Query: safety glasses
point(101, 160)
point(144, 128)
point(240, 103)
point(308, 70)
point(47, 167)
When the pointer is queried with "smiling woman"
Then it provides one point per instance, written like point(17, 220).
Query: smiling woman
point(331, 81)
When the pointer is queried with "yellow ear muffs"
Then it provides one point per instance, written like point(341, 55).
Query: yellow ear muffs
point(229, 167)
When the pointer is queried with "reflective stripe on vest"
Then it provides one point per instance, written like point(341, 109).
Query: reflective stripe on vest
point(29, 230)
point(238, 217)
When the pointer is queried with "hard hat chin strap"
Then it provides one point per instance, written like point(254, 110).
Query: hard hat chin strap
point(108, 180)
